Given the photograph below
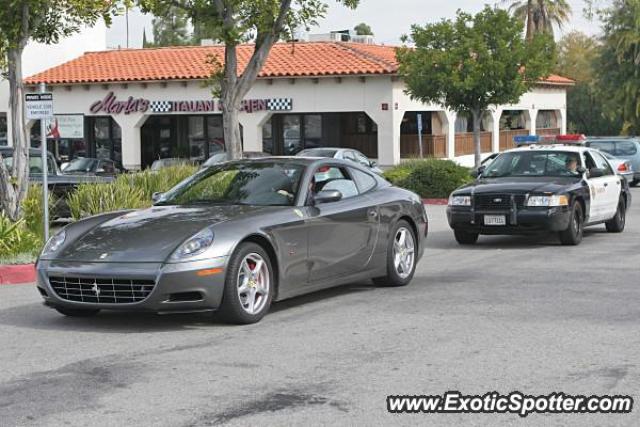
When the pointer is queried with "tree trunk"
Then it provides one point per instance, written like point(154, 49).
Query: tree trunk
point(529, 20)
point(235, 88)
point(477, 117)
point(231, 104)
point(15, 183)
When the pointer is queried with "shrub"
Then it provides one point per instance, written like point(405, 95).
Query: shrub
point(158, 181)
point(130, 191)
point(429, 178)
point(93, 199)
point(32, 211)
point(15, 239)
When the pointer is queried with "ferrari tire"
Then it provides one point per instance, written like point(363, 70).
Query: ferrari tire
point(76, 312)
point(401, 256)
point(249, 285)
point(616, 224)
point(573, 234)
point(465, 237)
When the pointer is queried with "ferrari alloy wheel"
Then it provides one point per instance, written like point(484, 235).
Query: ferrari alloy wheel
point(253, 283)
point(403, 252)
point(401, 256)
point(249, 285)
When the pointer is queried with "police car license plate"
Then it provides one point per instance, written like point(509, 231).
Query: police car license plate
point(495, 220)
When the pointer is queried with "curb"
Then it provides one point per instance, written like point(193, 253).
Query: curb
point(17, 274)
point(441, 202)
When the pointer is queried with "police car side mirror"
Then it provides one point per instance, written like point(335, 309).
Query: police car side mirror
point(477, 172)
point(595, 173)
point(581, 169)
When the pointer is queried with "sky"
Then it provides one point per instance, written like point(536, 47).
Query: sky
point(389, 19)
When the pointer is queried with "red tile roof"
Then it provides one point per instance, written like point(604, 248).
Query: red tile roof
point(300, 59)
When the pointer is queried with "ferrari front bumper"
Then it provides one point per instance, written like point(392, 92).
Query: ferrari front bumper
point(156, 287)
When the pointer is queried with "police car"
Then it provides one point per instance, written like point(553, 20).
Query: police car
point(548, 184)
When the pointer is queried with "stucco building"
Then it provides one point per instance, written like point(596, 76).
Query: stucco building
point(137, 105)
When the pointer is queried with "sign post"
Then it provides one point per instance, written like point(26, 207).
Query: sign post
point(419, 116)
point(39, 106)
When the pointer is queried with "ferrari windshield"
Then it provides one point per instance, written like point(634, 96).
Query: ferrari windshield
point(532, 163)
point(239, 183)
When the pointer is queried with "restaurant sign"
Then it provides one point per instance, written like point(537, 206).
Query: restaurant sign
point(111, 105)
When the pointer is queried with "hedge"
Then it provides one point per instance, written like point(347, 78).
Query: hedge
point(429, 178)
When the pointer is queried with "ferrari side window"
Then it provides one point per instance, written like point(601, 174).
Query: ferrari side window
point(364, 181)
point(334, 178)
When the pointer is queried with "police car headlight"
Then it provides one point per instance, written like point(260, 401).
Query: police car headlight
point(548, 201)
point(459, 200)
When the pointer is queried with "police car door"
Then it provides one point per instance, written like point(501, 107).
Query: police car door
point(598, 188)
point(612, 185)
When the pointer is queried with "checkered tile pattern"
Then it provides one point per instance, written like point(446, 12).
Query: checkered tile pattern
point(279, 104)
point(161, 106)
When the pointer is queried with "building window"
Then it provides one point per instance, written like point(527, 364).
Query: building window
point(196, 139)
point(312, 130)
point(105, 136)
point(359, 124)
point(267, 137)
point(546, 120)
point(409, 124)
point(4, 137)
point(215, 135)
point(291, 131)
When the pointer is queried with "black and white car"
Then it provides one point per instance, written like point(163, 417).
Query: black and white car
point(541, 187)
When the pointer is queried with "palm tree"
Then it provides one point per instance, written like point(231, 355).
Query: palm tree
point(540, 15)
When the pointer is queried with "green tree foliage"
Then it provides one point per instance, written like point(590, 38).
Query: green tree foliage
point(45, 21)
point(540, 16)
point(619, 62)
point(586, 103)
point(363, 29)
point(171, 27)
point(474, 62)
point(232, 22)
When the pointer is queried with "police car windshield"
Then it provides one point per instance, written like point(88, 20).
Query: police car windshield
point(534, 163)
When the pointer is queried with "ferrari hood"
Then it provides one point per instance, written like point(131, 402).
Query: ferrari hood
point(148, 235)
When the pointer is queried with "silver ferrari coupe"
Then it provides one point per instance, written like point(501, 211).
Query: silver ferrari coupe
point(234, 238)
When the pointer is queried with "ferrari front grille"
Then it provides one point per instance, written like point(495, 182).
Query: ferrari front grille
point(101, 290)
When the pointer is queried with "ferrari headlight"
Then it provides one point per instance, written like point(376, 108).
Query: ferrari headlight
point(54, 243)
point(195, 245)
point(459, 200)
point(548, 201)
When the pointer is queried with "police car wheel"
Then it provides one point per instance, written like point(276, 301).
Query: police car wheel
point(616, 224)
point(573, 234)
point(76, 312)
point(465, 238)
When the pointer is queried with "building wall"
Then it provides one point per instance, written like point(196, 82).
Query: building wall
point(38, 57)
point(383, 98)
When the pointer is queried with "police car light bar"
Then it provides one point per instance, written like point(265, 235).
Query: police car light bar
point(577, 139)
point(571, 138)
point(526, 139)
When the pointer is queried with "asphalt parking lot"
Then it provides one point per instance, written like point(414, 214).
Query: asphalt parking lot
point(511, 313)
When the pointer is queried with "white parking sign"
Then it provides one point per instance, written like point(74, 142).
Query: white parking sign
point(38, 105)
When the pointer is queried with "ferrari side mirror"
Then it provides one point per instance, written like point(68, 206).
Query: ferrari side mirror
point(327, 196)
point(155, 197)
